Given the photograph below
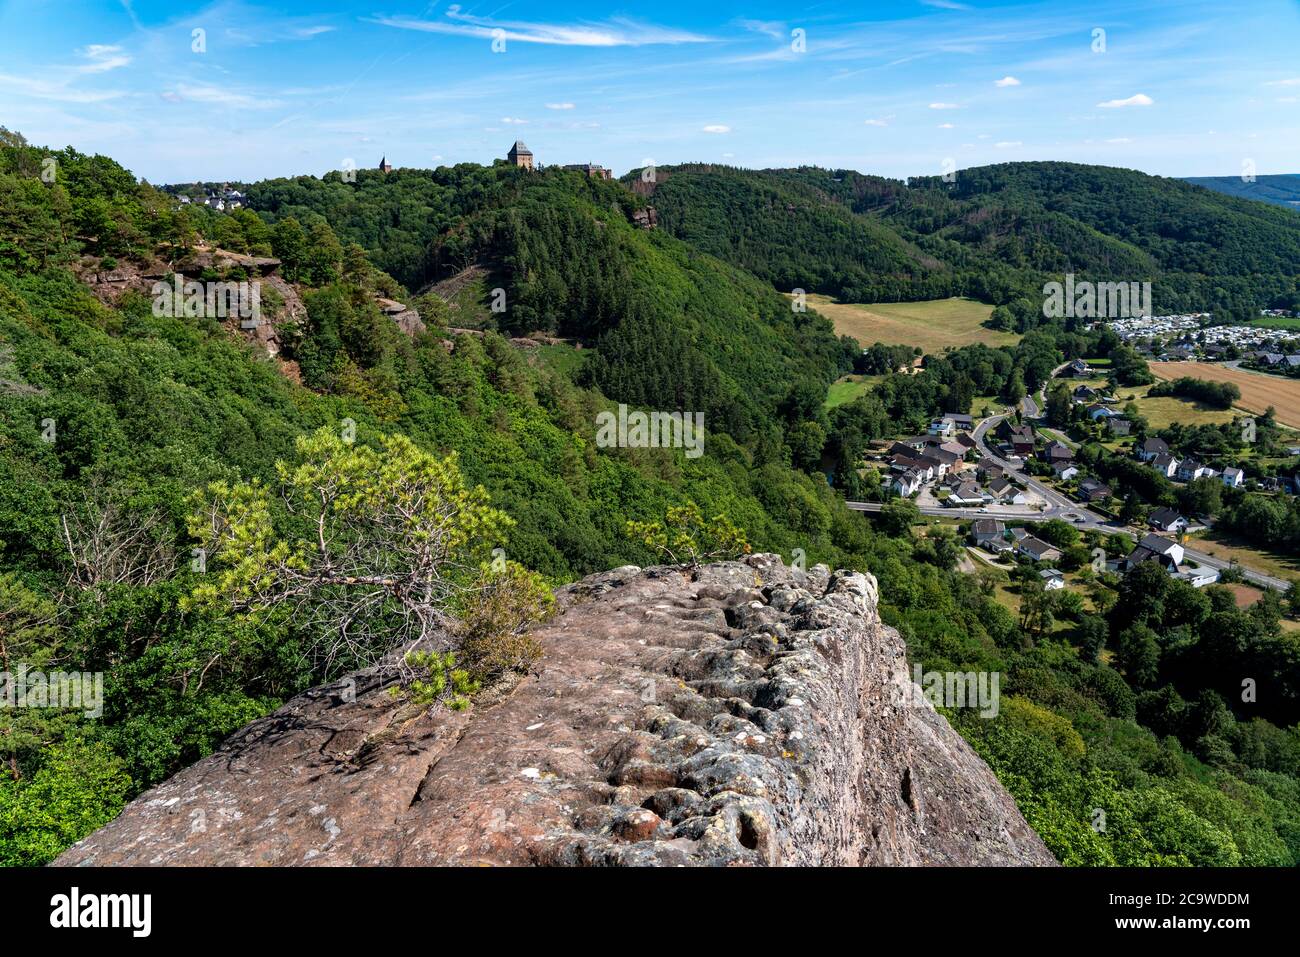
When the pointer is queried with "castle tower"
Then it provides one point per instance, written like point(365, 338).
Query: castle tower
point(385, 166)
point(520, 155)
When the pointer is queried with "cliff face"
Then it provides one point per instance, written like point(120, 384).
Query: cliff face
point(748, 714)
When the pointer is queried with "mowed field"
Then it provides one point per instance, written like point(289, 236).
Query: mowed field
point(849, 387)
point(1258, 390)
point(933, 325)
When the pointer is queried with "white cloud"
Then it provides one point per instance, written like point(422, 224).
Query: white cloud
point(945, 126)
point(514, 120)
point(943, 106)
point(559, 106)
point(717, 128)
point(876, 122)
point(945, 4)
point(219, 96)
point(1007, 81)
point(103, 58)
point(1008, 144)
point(1294, 81)
point(617, 32)
point(1137, 99)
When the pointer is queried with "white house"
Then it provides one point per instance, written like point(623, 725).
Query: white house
point(944, 427)
point(1052, 579)
point(1189, 470)
point(1233, 477)
point(1167, 520)
point(906, 483)
point(1165, 464)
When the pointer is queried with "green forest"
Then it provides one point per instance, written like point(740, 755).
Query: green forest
point(118, 427)
point(994, 233)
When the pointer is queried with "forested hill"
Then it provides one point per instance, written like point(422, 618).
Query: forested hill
point(123, 427)
point(994, 233)
point(1280, 189)
point(673, 328)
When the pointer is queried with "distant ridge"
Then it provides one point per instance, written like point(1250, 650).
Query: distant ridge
point(1280, 189)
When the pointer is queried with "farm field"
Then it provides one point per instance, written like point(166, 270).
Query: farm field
point(1279, 322)
point(933, 325)
point(1163, 411)
point(1258, 391)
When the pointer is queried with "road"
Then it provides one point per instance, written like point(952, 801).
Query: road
point(1031, 406)
point(1059, 506)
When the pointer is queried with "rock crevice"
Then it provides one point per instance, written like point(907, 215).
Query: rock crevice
point(743, 714)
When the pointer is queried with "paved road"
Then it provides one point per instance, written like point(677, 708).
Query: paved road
point(1031, 406)
point(1059, 506)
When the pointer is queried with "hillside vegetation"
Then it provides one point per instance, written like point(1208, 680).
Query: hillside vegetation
point(129, 437)
point(994, 234)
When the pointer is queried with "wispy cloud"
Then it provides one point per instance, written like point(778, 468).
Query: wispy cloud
point(103, 58)
point(945, 4)
point(1007, 81)
point(559, 106)
point(1137, 99)
point(617, 32)
point(717, 128)
point(944, 106)
point(221, 96)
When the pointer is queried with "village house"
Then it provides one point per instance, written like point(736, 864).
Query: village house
point(1165, 464)
point(1052, 579)
point(1019, 437)
point(1189, 470)
point(1037, 549)
point(989, 534)
point(1167, 520)
point(1090, 490)
point(965, 495)
point(1098, 411)
point(1154, 548)
point(907, 482)
point(1001, 490)
point(1065, 470)
point(1148, 449)
point(1233, 477)
point(1118, 426)
point(1057, 451)
point(1079, 369)
point(943, 427)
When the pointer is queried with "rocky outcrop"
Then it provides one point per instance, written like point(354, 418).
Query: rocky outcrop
point(743, 714)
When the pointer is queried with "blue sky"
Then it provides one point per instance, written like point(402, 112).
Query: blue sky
point(895, 88)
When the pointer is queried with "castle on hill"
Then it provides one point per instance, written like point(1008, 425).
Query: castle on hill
point(521, 156)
